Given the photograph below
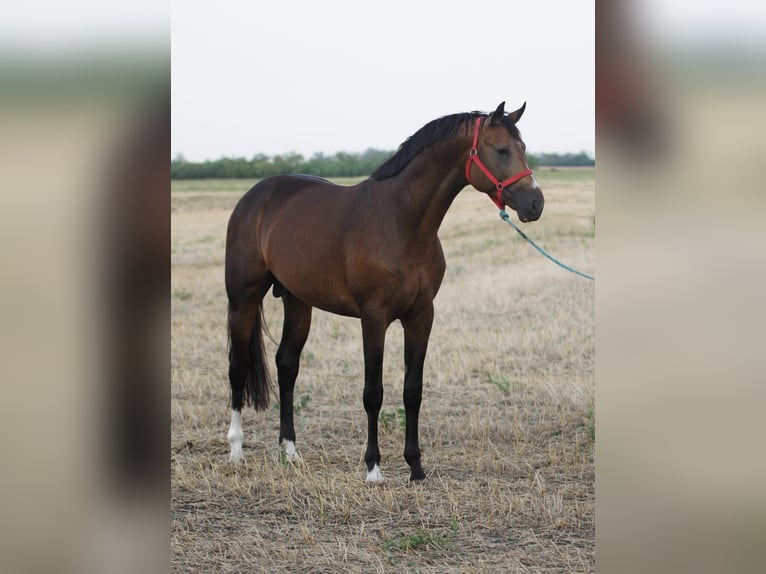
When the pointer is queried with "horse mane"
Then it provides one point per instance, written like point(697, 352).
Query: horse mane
point(438, 130)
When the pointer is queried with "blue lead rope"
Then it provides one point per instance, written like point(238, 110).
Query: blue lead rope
point(505, 217)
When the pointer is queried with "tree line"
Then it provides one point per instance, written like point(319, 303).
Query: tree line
point(341, 164)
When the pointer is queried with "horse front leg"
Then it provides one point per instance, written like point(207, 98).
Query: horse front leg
point(374, 336)
point(417, 328)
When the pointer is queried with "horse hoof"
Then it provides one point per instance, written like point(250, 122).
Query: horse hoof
point(291, 455)
point(374, 476)
point(417, 475)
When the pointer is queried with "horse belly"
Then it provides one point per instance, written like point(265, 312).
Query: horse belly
point(313, 282)
point(328, 295)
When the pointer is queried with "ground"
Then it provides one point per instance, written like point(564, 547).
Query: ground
point(507, 423)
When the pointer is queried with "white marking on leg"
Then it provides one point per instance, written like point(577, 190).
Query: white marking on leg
point(374, 475)
point(288, 447)
point(235, 436)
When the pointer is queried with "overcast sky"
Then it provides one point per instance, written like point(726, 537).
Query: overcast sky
point(307, 76)
point(270, 77)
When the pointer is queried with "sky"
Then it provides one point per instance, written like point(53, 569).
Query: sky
point(308, 77)
point(339, 75)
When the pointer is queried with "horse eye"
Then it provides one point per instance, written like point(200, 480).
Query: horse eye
point(502, 151)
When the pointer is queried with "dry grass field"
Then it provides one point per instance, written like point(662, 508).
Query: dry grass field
point(506, 427)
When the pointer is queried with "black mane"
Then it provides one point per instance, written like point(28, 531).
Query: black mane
point(438, 130)
point(441, 129)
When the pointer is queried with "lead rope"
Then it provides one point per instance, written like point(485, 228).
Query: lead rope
point(505, 217)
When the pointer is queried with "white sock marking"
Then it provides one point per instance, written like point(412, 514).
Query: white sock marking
point(291, 454)
point(374, 475)
point(235, 436)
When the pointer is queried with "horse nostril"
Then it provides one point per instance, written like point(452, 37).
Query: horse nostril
point(534, 205)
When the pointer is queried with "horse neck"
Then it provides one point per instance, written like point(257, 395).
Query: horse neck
point(427, 187)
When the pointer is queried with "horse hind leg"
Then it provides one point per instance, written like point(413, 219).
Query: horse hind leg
point(235, 435)
point(248, 373)
point(295, 331)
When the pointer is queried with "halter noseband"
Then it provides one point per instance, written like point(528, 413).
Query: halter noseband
point(473, 157)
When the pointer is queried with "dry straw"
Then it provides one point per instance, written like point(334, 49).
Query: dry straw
point(507, 422)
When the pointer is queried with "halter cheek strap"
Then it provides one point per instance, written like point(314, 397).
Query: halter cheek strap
point(473, 157)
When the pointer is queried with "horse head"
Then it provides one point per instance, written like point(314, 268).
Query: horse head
point(497, 164)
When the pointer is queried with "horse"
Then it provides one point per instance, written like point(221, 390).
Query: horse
point(368, 251)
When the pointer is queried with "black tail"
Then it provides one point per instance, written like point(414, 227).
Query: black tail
point(248, 364)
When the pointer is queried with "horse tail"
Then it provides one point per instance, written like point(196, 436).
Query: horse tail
point(258, 384)
point(250, 366)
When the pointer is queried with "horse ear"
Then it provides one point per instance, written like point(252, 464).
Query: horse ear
point(516, 116)
point(498, 114)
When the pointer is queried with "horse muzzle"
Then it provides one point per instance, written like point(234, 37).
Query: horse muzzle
point(528, 204)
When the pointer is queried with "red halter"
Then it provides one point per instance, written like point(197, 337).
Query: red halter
point(473, 157)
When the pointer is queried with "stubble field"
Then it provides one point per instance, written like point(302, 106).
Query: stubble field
point(507, 422)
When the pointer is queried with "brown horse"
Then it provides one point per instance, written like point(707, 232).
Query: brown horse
point(369, 251)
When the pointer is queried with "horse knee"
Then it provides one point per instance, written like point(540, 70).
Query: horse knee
point(372, 398)
point(412, 396)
